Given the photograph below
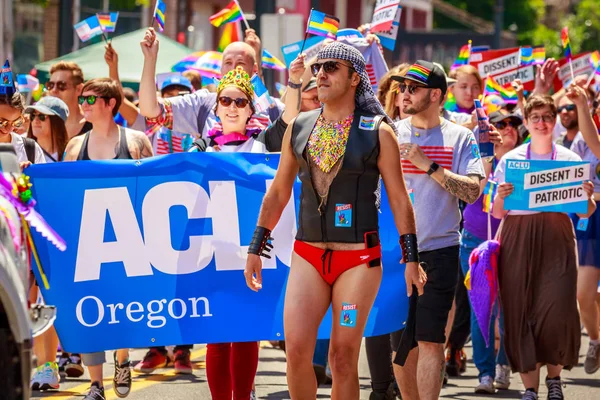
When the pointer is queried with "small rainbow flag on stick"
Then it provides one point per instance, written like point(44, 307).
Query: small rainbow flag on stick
point(159, 14)
point(463, 57)
point(322, 24)
point(566, 43)
point(231, 13)
point(232, 32)
point(108, 21)
point(488, 195)
point(270, 61)
point(509, 95)
point(532, 56)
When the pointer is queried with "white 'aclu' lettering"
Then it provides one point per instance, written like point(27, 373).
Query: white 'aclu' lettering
point(141, 253)
point(134, 311)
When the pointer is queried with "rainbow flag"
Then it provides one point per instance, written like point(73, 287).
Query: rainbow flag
point(450, 104)
point(322, 24)
point(595, 61)
point(232, 32)
point(509, 95)
point(489, 192)
point(566, 43)
point(108, 21)
point(527, 56)
point(539, 55)
point(463, 56)
point(270, 61)
point(231, 13)
point(527, 139)
point(159, 14)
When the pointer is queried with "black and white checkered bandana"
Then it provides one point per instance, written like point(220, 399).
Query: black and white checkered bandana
point(365, 96)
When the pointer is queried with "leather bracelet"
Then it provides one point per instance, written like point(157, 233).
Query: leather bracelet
point(260, 244)
point(410, 248)
point(294, 85)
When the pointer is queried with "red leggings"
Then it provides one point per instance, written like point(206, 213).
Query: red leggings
point(231, 368)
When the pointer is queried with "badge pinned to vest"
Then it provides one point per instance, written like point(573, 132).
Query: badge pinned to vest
point(582, 224)
point(367, 123)
point(343, 215)
point(475, 149)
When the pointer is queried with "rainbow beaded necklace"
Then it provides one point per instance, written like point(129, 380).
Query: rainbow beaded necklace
point(327, 142)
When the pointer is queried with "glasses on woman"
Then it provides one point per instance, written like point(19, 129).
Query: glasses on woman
point(547, 118)
point(226, 101)
point(17, 123)
point(502, 124)
point(91, 99)
point(411, 88)
point(41, 117)
point(328, 66)
point(61, 86)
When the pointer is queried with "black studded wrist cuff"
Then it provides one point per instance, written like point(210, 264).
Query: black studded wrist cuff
point(410, 248)
point(260, 244)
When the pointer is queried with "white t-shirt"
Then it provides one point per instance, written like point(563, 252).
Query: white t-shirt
point(249, 146)
point(520, 153)
point(19, 145)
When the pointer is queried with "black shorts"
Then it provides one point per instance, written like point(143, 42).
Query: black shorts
point(428, 314)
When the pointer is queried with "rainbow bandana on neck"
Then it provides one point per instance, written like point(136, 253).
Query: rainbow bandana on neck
point(238, 78)
point(418, 73)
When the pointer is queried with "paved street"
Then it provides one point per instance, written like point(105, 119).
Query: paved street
point(271, 384)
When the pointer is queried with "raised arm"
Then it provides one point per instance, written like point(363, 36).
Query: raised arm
point(127, 109)
point(294, 89)
point(149, 106)
point(586, 124)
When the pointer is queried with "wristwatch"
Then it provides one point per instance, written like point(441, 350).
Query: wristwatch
point(432, 168)
point(294, 85)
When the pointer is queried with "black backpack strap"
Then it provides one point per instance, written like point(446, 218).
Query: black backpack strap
point(29, 149)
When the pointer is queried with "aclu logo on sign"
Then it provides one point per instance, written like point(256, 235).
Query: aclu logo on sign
point(518, 164)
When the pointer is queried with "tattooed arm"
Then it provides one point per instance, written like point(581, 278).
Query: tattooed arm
point(466, 188)
point(139, 145)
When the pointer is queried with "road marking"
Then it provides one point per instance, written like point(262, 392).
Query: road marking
point(73, 393)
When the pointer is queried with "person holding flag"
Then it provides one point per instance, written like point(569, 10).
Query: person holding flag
point(333, 265)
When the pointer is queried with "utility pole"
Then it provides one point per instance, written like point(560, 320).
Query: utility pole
point(499, 22)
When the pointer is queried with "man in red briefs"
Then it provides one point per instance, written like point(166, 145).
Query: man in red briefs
point(339, 152)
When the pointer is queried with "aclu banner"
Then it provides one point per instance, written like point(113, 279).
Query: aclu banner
point(156, 250)
point(545, 185)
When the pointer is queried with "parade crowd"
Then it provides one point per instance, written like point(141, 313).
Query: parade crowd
point(343, 141)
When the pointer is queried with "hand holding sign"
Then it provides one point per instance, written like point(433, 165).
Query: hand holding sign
point(505, 189)
point(588, 188)
point(253, 272)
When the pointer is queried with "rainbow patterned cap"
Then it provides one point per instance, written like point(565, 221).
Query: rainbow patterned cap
point(425, 73)
point(238, 78)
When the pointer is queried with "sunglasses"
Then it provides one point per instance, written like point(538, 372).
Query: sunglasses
point(329, 67)
point(411, 89)
point(547, 118)
point(91, 99)
point(17, 123)
point(61, 86)
point(501, 125)
point(567, 107)
point(41, 117)
point(226, 101)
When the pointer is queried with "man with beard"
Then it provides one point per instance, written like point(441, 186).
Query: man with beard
point(567, 111)
point(441, 164)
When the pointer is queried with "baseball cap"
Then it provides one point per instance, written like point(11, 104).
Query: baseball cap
point(426, 73)
point(178, 80)
point(49, 105)
point(498, 116)
point(312, 84)
point(449, 81)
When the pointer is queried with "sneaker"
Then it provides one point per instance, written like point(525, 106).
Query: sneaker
point(456, 362)
point(182, 362)
point(153, 359)
point(73, 367)
point(486, 385)
point(122, 378)
point(502, 377)
point(592, 359)
point(96, 392)
point(554, 389)
point(529, 395)
point(46, 377)
point(63, 360)
point(390, 394)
